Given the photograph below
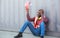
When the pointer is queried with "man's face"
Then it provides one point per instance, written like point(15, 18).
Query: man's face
point(39, 13)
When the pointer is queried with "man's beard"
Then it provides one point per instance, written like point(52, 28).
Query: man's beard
point(39, 15)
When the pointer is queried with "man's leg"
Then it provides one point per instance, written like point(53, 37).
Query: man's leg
point(42, 27)
point(31, 27)
point(27, 23)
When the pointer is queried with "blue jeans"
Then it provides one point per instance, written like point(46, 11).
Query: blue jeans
point(36, 31)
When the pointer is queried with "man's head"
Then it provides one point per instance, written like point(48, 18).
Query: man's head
point(40, 12)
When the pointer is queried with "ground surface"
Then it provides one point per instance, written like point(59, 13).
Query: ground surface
point(6, 34)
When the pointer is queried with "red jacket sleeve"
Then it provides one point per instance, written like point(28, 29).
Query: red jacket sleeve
point(45, 19)
point(30, 19)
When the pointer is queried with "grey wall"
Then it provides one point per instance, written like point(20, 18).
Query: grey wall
point(13, 14)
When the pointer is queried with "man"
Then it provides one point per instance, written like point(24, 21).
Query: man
point(38, 26)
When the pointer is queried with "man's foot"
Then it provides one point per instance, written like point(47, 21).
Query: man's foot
point(42, 36)
point(19, 35)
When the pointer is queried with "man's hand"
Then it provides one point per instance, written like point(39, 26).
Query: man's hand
point(27, 6)
point(27, 10)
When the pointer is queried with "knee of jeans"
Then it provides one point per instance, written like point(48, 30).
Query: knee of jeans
point(42, 23)
point(27, 21)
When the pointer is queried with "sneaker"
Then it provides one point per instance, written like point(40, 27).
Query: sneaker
point(19, 35)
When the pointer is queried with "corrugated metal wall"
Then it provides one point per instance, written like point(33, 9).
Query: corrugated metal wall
point(13, 14)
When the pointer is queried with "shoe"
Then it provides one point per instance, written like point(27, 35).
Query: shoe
point(42, 36)
point(19, 35)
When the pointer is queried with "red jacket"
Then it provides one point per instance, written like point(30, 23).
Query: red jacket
point(37, 22)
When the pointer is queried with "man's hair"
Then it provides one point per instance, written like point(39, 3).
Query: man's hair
point(42, 11)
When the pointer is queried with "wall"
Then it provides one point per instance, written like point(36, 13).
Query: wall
point(13, 14)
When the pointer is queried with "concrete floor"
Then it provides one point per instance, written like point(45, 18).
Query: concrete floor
point(6, 34)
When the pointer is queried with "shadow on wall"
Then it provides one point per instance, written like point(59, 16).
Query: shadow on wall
point(47, 16)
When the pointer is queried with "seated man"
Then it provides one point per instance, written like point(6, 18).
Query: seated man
point(38, 26)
